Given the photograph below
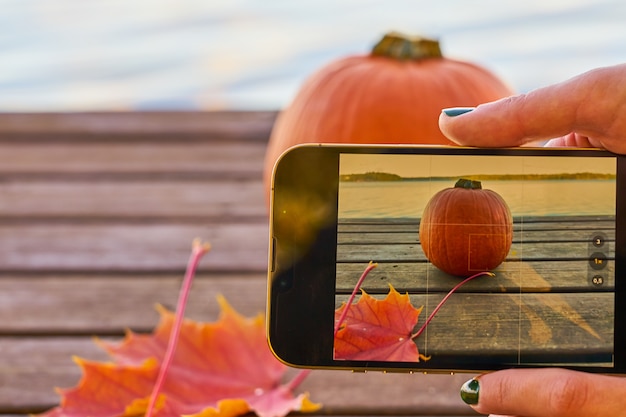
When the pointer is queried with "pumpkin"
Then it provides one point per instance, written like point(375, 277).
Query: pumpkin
point(466, 229)
point(392, 95)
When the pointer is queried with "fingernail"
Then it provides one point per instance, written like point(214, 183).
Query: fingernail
point(457, 111)
point(469, 391)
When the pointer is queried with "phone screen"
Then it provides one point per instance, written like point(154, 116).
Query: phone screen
point(551, 299)
point(482, 259)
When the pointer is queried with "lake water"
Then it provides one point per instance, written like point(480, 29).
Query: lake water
point(527, 198)
point(66, 55)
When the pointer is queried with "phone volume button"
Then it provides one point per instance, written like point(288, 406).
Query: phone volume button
point(273, 255)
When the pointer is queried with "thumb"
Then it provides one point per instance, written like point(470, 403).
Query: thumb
point(512, 121)
point(546, 392)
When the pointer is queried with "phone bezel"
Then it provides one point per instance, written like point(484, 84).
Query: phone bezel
point(300, 312)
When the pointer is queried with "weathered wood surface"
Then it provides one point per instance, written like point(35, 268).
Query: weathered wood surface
point(412, 277)
point(542, 305)
point(542, 325)
point(97, 214)
point(556, 255)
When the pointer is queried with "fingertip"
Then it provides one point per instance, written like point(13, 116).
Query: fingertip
point(493, 124)
point(470, 391)
point(480, 392)
point(456, 111)
point(449, 123)
point(554, 392)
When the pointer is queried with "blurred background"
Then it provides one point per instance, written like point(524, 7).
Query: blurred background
point(80, 55)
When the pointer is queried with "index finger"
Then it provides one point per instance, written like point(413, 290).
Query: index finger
point(590, 105)
point(512, 121)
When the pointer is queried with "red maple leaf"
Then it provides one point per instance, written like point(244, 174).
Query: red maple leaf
point(382, 330)
point(223, 368)
point(378, 329)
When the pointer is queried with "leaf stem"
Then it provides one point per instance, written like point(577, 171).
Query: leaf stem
point(197, 251)
point(298, 379)
point(456, 287)
point(301, 376)
point(344, 313)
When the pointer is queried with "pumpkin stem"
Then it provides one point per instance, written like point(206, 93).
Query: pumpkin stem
point(468, 184)
point(404, 47)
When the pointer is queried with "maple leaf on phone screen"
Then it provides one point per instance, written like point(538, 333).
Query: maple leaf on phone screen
point(378, 329)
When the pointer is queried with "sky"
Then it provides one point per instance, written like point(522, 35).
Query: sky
point(68, 55)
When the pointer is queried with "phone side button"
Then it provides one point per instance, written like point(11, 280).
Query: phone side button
point(273, 255)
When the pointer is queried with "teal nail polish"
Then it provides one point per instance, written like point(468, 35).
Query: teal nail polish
point(457, 111)
point(469, 392)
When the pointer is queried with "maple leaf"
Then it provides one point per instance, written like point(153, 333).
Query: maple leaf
point(378, 329)
point(187, 368)
point(382, 330)
point(223, 368)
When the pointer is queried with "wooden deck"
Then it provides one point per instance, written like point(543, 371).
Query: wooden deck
point(97, 214)
point(554, 303)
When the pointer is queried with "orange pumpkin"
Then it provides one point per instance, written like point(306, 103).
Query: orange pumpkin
point(392, 95)
point(466, 229)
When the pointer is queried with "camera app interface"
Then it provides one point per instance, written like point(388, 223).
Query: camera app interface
point(449, 259)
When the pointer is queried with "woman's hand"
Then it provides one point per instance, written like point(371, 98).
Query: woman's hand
point(585, 111)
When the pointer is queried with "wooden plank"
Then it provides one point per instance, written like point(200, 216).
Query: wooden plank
point(128, 198)
point(384, 225)
point(236, 246)
point(510, 277)
point(530, 219)
point(35, 366)
point(240, 124)
point(535, 324)
point(152, 143)
point(53, 159)
point(567, 235)
point(414, 253)
point(43, 304)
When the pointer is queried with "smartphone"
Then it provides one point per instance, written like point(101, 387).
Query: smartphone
point(447, 259)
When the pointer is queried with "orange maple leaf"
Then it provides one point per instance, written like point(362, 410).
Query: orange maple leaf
point(382, 330)
point(378, 329)
point(224, 368)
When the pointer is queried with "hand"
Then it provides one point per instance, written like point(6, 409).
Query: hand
point(585, 111)
point(548, 392)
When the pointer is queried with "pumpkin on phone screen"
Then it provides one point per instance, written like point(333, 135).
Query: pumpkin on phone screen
point(392, 95)
point(466, 229)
